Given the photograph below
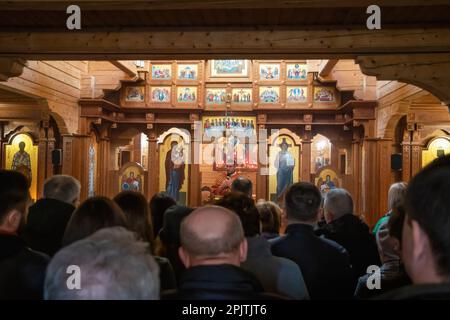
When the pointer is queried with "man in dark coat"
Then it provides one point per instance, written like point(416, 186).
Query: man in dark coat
point(48, 217)
point(212, 248)
point(325, 265)
point(349, 231)
point(22, 270)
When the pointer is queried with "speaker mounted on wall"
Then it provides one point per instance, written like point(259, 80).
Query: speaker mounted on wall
point(396, 161)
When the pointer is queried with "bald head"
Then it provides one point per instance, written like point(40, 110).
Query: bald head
point(212, 232)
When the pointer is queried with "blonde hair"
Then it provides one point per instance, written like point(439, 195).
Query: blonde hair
point(396, 195)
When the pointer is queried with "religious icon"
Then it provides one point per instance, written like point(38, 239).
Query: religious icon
point(296, 94)
point(134, 94)
point(21, 161)
point(323, 94)
point(327, 180)
point(187, 71)
point(269, 71)
point(284, 163)
point(161, 71)
point(160, 94)
point(215, 96)
point(296, 71)
point(187, 94)
point(132, 182)
point(241, 95)
point(269, 94)
point(174, 165)
point(229, 68)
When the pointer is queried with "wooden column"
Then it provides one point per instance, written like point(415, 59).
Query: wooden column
point(137, 149)
point(334, 156)
point(356, 172)
point(195, 178)
point(153, 164)
point(305, 156)
point(42, 162)
point(406, 156)
point(103, 161)
point(50, 148)
point(416, 154)
point(262, 174)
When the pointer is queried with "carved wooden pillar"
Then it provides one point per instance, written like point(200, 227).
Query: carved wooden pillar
point(153, 164)
point(262, 175)
point(137, 148)
point(50, 148)
point(195, 177)
point(416, 154)
point(406, 156)
point(334, 156)
point(103, 161)
point(356, 172)
point(305, 170)
point(42, 161)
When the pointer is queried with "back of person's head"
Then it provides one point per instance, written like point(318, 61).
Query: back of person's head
point(270, 215)
point(302, 201)
point(93, 214)
point(396, 195)
point(170, 232)
point(337, 203)
point(159, 203)
point(111, 264)
point(14, 199)
point(245, 208)
point(426, 237)
point(63, 188)
point(389, 236)
point(395, 223)
point(134, 206)
point(212, 235)
point(242, 184)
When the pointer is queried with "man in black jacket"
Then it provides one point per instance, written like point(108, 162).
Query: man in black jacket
point(325, 264)
point(349, 231)
point(48, 217)
point(212, 248)
point(22, 270)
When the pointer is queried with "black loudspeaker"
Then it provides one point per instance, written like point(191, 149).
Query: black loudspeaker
point(396, 161)
point(56, 157)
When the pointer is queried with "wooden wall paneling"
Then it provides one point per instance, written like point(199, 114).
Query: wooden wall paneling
point(153, 163)
point(195, 175)
point(305, 156)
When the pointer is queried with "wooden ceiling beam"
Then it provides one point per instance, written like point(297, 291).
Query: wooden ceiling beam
point(201, 44)
point(205, 4)
point(327, 66)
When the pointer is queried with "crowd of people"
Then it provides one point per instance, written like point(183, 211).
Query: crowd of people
point(314, 247)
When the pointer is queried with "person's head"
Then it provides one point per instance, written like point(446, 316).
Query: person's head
point(21, 146)
point(242, 184)
point(158, 205)
point(328, 178)
point(337, 203)
point(134, 206)
point(93, 214)
point(112, 265)
point(63, 188)
point(302, 202)
point(212, 235)
point(173, 144)
point(270, 215)
point(426, 237)
point(396, 195)
point(170, 231)
point(131, 174)
point(14, 199)
point(284, 146)
point(245, 208)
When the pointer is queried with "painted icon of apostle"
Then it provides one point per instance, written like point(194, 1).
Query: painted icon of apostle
point(21, 161)
point(174, 165)
point(284, 163)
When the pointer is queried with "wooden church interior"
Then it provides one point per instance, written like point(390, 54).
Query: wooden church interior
point(98, 104)
point(99, 120)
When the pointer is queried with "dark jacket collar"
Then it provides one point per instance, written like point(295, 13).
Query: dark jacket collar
point(219, 277)
point(299, 228)
point(10, 244)
point(258, 246)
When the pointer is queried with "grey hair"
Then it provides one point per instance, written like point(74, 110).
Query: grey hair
point(62, 187)
point(113, 265)
point(339, 202)
point(396, 195)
